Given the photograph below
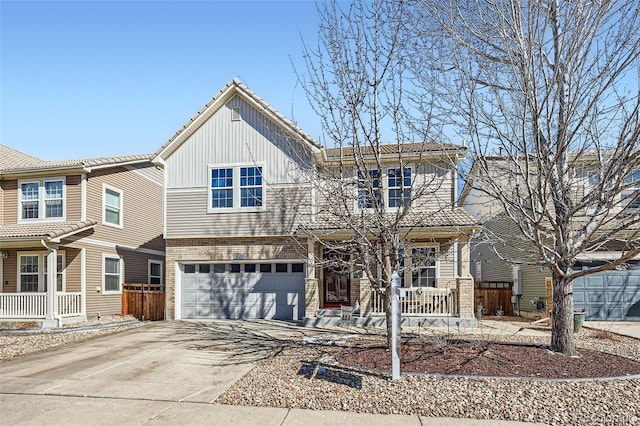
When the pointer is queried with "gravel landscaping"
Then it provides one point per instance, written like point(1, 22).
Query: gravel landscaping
point(336, 371)
point(313, 376)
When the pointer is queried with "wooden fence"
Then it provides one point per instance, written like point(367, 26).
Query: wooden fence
point(494, 297)
point(143, 301)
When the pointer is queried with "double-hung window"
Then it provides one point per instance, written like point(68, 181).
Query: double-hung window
point(399, 184)
point(112, 274)
point(155, 272)
point(250, 186)
point(222, 188)
point(236, 188)
point(368, 189)
point(33, 271)
point(112, 207)
point(423, 266)
point(41, 200)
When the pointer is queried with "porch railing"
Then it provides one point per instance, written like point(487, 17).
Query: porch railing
point(69, 304)
point(34, 305)
point(23, 305)
point(425, 301)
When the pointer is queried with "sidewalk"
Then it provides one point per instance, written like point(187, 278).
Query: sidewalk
point(55, 410)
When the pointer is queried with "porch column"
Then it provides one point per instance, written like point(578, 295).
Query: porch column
point(465, 258)
point(52, 273)
point(311, 301)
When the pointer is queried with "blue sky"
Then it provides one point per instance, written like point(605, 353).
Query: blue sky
point(91, 78)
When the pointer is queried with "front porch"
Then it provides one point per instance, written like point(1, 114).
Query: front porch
point(447, 305)
point(51, 310)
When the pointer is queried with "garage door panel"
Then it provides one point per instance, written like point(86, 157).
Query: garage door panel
point(610, 295)
point(243, 295)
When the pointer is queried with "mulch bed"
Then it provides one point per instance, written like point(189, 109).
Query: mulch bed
point(493, 359)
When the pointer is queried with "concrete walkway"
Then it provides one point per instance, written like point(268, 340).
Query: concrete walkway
point(625, 328)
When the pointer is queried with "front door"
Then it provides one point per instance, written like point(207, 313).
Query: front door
point(336, 290)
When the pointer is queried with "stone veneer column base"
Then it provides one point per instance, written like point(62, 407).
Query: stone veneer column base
point(311, 300)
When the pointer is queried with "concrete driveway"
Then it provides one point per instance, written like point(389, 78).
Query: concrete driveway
point(179, 361)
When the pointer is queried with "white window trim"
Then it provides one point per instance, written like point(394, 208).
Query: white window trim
point(42, 208)
point(401, 188)
point(436, 246)
point(155, 262)
point(104, 206)
point(42, 258)
point(383, 186)
point(121, 281)
point(236, 189)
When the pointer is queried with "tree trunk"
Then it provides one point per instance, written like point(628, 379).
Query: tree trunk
point(562, 339)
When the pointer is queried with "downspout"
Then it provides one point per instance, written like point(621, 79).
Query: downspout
point(52, 273)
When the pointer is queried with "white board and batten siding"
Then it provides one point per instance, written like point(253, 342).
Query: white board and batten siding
point(221, 141)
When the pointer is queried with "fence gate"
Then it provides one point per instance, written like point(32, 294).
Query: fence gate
point(143, 301)
point(494, 297)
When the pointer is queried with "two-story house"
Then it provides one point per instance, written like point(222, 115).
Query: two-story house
point(73, 232)
point(243, 236)
point(501, 258)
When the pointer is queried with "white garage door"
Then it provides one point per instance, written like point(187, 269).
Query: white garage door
point(243, 291)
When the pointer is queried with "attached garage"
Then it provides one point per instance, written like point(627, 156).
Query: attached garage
point(242, 290)
point(610, 295)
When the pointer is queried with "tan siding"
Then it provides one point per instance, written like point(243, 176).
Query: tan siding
point(72, 270)
point(10, 206)
point(142, 209)
point(106, 304)
point(187, 216)
point(10, 272)
point(74, 198)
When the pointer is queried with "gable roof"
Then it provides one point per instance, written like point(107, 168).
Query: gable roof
point(14, 162)
point(231, 89)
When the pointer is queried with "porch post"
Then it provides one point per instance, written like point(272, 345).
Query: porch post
point(83, 281)
point(52, 273)
point(465, 282)
point(311, 302)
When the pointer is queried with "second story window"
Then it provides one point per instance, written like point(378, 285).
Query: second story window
point(250, 186)
point(222, 188)
point(399, 184)
point(368, 189)
point(112, 207)
point(236, 188)
point(631, 194)
point(42, 200)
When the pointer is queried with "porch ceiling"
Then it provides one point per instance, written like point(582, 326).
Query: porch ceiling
point(17, 235)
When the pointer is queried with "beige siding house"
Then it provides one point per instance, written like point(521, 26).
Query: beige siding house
point(501, 255)
point(242, 236)
point(73, 232)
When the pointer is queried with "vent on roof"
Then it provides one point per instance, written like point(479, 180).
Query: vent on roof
point(235, 114)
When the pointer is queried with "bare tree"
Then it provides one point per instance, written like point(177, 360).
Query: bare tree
point(547, 92)
point(356, 79)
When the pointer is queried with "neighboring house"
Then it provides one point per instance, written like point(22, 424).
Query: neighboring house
point(501, 258)
point(237, 181)
point(73, 232)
